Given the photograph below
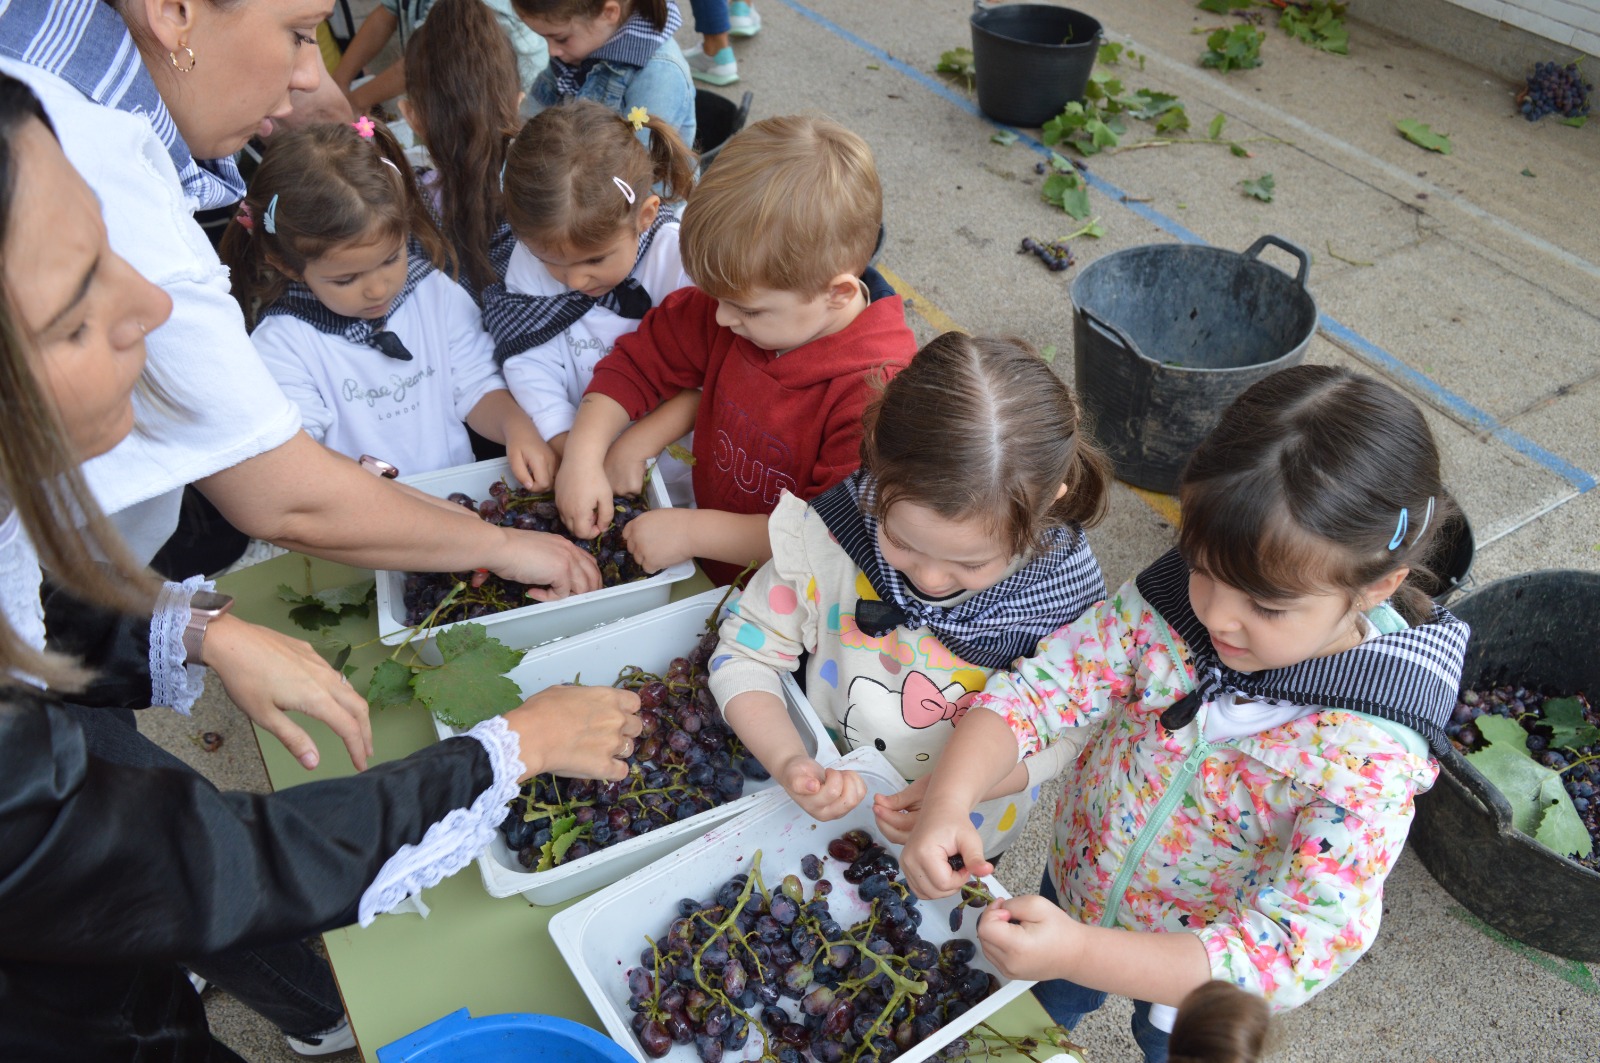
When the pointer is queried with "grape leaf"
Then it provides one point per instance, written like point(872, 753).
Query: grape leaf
point(1423, 137)
point(1238, 48)
point(1066, 191)
point(1260, 188)
point(1568, 728)
point(1561, 829)
point(681, 453)
point(323, 609)
point(1575, 121)
point(1506, 764)
point(958, 63)
point(471, 684)
point(1214, 130)
point(390, 686)
point(1222, 7)
point(1004, 137)
point(559, 829)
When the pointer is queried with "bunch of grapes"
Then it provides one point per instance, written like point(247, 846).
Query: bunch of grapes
point(783, 965)
point(687, 761)
point(483, 593)
point(1579, 768)
point(1056, 255)
point(1554, 89)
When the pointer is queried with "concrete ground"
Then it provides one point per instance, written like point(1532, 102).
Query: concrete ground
point(1469, 280)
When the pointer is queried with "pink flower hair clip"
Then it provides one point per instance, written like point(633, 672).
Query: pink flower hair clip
point(364, 127)
point(245, 219)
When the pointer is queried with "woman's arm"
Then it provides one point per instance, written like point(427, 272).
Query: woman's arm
point(375, 31)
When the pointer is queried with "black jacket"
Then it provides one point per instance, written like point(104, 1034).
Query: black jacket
point(110, 873)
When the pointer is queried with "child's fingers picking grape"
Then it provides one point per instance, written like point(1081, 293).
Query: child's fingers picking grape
point(1027, 937)
point(897, 813)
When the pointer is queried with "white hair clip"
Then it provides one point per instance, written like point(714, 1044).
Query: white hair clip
point(389, 163)
point(625, 188)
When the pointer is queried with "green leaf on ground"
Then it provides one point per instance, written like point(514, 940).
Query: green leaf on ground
point(1235, 48)
point(1214, 130)
point(1048, 353)
point(471, 684)
point(1422, 136)
point(1261, 188)
point(1319, 24)
point(1004, 137)
point(1222, 7)
point(390, 686)
point(1576, 121)
point(324, 609)
point(957, 64)
point(1529, 173)
point(1067, 191)
point(1568, 728)
point(1113, 52)
point(1561, 829)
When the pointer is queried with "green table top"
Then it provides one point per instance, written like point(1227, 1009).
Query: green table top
point(474, 951)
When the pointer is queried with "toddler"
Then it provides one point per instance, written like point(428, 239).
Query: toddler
point(955, 548)
point(778, 334)
point(1255, 712)
point(334, 260)
point(619, 53)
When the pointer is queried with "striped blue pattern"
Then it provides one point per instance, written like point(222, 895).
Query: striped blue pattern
point(86, 44)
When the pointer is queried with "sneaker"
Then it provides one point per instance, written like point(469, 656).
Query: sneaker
point(743, 20)
point(327, 1042)
point(719, 69)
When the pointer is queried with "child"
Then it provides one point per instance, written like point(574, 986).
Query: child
point(619, 53)
point(461, 100)
point(778, 334)
point(389, 17)
point(1252, 717)
point(594, 250)
point(1220, 1023)
point(334, 257)
point(955, 548)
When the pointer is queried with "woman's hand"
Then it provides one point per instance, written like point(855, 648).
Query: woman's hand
point(579, 732)
point(532, 460)
point(268, 674)
point(897, 813)
point(938, 835)
point(1030, 938)
point(824, 793)
point(551, 566)
point(661, 537)
point(584, 498)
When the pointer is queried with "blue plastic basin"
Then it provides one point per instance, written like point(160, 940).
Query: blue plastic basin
point(459, 1038)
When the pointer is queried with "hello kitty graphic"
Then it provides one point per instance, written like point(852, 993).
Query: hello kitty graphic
point(905, 725)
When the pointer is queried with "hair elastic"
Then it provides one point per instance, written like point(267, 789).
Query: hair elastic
point(625, 188)
point(245, 219)
point(269, 217)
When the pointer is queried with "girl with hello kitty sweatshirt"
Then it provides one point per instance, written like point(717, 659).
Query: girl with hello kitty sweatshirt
point(953, 551)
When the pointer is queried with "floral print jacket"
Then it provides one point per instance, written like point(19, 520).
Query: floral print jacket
point(1273, 848)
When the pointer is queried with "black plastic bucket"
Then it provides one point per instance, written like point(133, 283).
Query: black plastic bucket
point(1451, 563)
point(716, 120)
point(1536, 630)
point(1032, 60)
point(1165, 336)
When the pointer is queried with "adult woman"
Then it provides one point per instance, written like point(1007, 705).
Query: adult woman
point(107, 870)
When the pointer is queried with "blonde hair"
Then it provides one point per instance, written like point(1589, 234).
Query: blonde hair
point(791, 203)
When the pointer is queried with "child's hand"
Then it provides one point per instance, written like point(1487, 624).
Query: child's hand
point(824, 793)
point(1029, 938)
point(897, 813)
point(532, 460)
point(625, 467)
point(660, 537)
point(584, 499)
point(937, 836)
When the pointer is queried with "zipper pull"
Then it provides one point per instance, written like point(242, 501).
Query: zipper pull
point(1178, 715)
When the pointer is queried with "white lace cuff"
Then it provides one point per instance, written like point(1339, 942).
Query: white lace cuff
point(174, 682)
point(452, 842)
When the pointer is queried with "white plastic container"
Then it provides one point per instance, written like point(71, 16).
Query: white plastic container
point(651, 642)
point(602, 936)
point(537, 622)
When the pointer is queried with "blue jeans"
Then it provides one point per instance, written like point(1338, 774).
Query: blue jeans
point(288, 984)
point(710, 17)
point(1068, 1002)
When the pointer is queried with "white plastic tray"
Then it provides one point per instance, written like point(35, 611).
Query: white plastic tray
point(537, 622)
point(602, 936)
point(651, 642)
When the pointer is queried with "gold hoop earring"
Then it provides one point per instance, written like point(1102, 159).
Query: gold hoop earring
point(173, 58)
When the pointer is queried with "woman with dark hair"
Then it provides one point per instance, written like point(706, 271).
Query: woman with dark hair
point(109, 872)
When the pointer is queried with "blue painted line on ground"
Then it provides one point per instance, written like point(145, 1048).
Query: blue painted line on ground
point(1347, 337)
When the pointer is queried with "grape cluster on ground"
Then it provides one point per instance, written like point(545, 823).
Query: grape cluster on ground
point(1579, 767)
point(687, 761)
point(482, 593)
point(1056, 255)
point(1554, 89)
point(777, 964)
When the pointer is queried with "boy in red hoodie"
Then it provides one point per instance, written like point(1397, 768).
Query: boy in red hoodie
point(779, 336)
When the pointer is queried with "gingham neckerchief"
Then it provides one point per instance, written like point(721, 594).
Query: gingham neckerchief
point(86, 44)
point(298, 302)
point(521, 322)
point(634, 44)
point(1409, 677)
point(991, 628)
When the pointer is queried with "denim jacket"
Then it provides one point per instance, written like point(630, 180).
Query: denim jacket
point(662, 87)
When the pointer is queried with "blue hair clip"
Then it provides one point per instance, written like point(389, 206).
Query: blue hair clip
point(1400, 529)
point(269, 222)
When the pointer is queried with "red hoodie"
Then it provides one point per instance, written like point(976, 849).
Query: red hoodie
point(767, 423)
